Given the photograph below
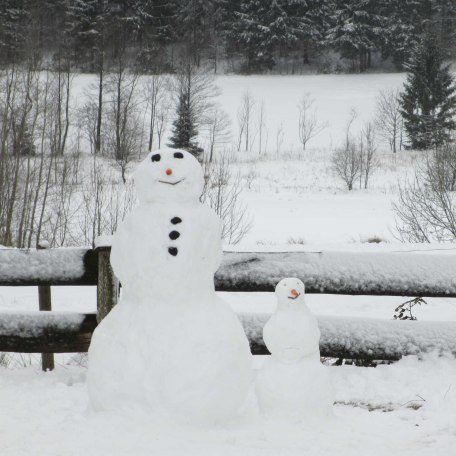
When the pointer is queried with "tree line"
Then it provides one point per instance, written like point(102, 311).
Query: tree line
point(251, 36)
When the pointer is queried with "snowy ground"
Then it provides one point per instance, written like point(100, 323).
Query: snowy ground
point(333, 95)
point(292, 199)
point(407, 408)
point(300, 200)
point(47, 414)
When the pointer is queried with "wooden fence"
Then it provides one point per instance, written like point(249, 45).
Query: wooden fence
point(352, 273)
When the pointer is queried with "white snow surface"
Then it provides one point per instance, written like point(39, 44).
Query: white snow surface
point(64, 264)
point(357, 272)
point(34, 324)
point(363, 269)
point(370, 336)
point(47, 414)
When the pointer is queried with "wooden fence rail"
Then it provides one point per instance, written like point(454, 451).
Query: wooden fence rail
point(352, 273)
point(353, 338)
point(392, 273)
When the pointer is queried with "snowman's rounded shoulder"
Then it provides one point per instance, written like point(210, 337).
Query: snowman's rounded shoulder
point(292, 315)
point(158, 213)
point(205, 212)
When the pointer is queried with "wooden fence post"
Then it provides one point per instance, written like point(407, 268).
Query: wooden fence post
point(45, 304)
point(107, 286)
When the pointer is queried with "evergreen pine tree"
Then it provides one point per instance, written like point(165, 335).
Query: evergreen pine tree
point(261, 28)
point(428, 102)
point(13, 16)
point(85, 26)
point(406, 23)
point(309, 20)
point(357, 31)
point(184, 130)
point(193, 17)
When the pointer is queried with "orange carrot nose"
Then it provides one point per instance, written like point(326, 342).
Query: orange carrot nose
point(169, 172)
point(295, 293)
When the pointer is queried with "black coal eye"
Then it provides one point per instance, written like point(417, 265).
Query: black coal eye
point(155, 157)
point(178, 155)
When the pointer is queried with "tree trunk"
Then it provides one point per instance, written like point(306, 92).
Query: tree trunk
point(100, 103)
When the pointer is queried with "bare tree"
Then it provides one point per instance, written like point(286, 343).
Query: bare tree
point(389, 121)
point(162, 119)
point(244, 117)
point(443, 166)
point(37, 181)
point(346, 159)
point(218, 129)
point(199, 84)
point(279, 138)
point(61, 209)
point(222, 192)
point(262, 132)
point(156, 89)
point(194, 91)
point(122, 133)
point(105, 203)
point(88, 124)
point(426, 208)
point(347, 164)
point(61, 98)
point(308, 125)
point(367, 153)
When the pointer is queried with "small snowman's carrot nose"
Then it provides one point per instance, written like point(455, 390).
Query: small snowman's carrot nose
point(169, 171)
point(295, 293)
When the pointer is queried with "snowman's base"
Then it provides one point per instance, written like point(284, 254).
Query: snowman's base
point(296, 392)
point(168, 363)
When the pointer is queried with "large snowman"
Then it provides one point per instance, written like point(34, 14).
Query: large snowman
point(171, 345)
point(292, 383)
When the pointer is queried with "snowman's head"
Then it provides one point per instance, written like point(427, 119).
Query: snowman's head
point(169, 174)
point(290, 290)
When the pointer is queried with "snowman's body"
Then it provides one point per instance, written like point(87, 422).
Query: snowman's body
point(140, 254)
point(170, 345)
point(293, 383)
point(298, 392)
point(292, 333)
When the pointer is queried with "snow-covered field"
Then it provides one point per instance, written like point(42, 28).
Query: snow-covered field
point(407, 408)
point(413, 412)
point(333, 97)
point(301, 201)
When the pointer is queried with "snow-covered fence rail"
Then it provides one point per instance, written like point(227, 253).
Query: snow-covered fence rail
point(368, 273)
point(366, 338)
point(46, 332)
point(341, 337)
point(392, 273)
point(20, 267)
point(351, 273)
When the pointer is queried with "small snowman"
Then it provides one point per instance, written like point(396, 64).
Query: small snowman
point(292, 383)
point(170, 345)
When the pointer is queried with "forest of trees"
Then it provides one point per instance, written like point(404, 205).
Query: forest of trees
point(249, 36)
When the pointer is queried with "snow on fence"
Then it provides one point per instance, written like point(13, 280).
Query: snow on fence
point(48, 267)
point(366, 338)
point(360, 273)
point(353, 273)
point(341, 337)
point(392, 273)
